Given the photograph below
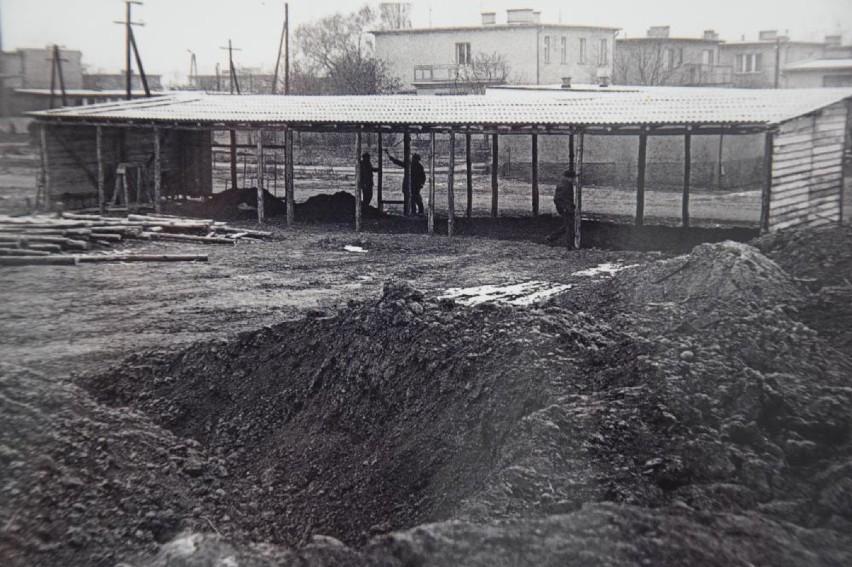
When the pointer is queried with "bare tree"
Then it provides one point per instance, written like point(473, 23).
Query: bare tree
point(485, 69)
point(395, 15)
point(338, 56)
point(648, 63)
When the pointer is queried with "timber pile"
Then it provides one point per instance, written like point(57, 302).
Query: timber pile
point(46, 239)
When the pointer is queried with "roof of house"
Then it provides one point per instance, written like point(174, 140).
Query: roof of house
point(820, 65)
point(90, 93)
point(490, 27)
point(646, 106)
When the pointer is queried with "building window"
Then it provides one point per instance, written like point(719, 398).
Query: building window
point(604, 55)
point(708, 57)
point(668, 59)
point(582, 50)
point(563, 57)
point(463, 54)
point(748, 63)
point(547, 49)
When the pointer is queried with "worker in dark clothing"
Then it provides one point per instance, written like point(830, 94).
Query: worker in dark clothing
point(366, 179)
point(563, 198)
point(418, 180)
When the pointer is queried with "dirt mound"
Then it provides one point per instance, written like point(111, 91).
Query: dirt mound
point(407, 410)
point(817, 257)
point(233, 204)
point(339, 207)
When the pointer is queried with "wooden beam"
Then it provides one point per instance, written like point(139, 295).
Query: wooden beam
point(289, 181)
point(495, 159)
point(640, 181)
point(380, 174)
point(406, 172)
point(766, 194)
point(158, 171)
point(233, 135)
point(45, 168)
point(99, 151)
point(687, 178)
point(571, 153)
point(358, 181)
point(260, 212)
point(469, 165)
point(535, 175)
point(451, 198)
point(578, 201)
point(720, 169)
point(430, 222)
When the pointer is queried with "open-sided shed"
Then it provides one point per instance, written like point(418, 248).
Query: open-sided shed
point(807, 135)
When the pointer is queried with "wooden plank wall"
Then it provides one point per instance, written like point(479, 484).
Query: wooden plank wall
point(807, 170)
point(186, 161)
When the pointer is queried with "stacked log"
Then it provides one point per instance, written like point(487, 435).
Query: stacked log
point(31, 239)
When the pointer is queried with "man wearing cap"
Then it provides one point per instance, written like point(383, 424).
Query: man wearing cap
point(563, 198)
point(366, 179)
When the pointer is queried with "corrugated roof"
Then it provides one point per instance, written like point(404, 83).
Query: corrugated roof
point(666, 106)
point(820, 65)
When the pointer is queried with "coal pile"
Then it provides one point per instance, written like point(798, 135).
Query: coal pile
point(235, 204)
point(339, 207)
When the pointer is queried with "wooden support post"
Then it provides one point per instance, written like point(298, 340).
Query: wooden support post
point(571, 153)
point(233, 134)
point(495, 151)
point(260, 212)
point(99, 150)
point(687, 178)
point(158, 170)
point(766, 195)
point(406, 172)
point(535, 175)
point(380, 175)
point(578, 201)
point(451, 198)
point(289, 186)
point(720, 169)
point(430, 223)
point(358, 181)
point(45, 168)
point(469, 166)
point(640, 181)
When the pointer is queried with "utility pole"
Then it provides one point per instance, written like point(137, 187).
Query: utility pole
point(129, 42)
point(193, 70)
point(285, 41)
point(56, 71)
point(233, 70)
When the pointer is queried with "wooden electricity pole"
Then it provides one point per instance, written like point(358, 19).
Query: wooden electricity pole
point(233, 70)
point(283, 45)
point(129, 44)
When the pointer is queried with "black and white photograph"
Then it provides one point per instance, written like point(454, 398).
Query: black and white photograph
point(429, 283)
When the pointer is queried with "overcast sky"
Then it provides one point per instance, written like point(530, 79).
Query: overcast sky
point(172, 27)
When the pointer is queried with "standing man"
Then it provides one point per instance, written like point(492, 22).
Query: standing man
point(366, 175)
point(418, 180)
point(563, 198)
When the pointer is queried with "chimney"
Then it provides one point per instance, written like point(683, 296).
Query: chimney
point(522, 16)
point(489, 18)
point(659, 31)
point(711, 35)
point(566, 82)
point(833, 40)
point(768, 35)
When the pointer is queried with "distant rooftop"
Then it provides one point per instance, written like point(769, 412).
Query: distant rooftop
point(820, 65)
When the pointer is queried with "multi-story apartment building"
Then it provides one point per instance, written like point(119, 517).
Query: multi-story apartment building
point(758, 64)
point(659, 59)
point(522, 51)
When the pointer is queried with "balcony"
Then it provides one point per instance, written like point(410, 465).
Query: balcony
point(698, 74)
point(432, 75)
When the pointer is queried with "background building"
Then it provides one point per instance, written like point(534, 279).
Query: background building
point(758, 64)
point(659, 59)
point(521, 51)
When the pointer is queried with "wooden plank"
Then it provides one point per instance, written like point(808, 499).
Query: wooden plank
point(260, 174)
point(38, 260)
point(99, 151)
point(430, 221)
point(158, 171)
point(785, 140)
point(811, 204)
point(687, 175)
point(233, 139)
point(640, 181)
point(766, 194)
point(406, 172)
point(535, 195)
point(380, 174)
point(495, 158)
point(451, 198)
point(289, 179)
point(578, 203)
point(45, 160)
point(469, 173)
point(358, 181)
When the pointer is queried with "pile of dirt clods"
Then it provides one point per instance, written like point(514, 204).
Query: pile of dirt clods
point(677, 413)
